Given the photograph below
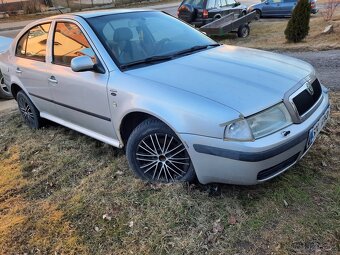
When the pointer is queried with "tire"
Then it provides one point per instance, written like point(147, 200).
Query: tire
point(243, 31)
point(258, 14)
point(28, 111)
point(156, 154)
point(4, 92)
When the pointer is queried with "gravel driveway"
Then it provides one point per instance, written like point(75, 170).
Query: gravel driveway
point(326, 63)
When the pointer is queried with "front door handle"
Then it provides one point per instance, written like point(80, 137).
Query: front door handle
point(113, 92)
point(53, 79)
point(18, 70)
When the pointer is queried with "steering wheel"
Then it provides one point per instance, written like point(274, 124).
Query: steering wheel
point(159, 45)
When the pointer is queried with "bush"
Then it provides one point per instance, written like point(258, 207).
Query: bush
point(328, 10)
point(298, 25)
point(31, 6)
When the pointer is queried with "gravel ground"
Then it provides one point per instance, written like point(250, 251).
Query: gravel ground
point(326, 63)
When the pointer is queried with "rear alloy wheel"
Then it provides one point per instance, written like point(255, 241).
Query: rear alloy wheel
point(243, 31)
point(4, 92)
point(28, 111)
point(156, 154)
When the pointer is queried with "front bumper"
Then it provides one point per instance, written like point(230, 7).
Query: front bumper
point(249, 163)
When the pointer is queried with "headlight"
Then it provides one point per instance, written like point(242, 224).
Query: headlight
point(269, 121)
point(238, 130)
point(258, 125)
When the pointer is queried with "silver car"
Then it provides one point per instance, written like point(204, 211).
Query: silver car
point(180, 104)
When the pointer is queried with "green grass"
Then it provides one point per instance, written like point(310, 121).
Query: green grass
point(56, 185)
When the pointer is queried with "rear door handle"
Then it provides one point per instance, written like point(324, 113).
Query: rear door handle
point(53, 79)
point(18, 70)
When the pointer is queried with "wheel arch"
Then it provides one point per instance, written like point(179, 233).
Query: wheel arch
point(133, 118)
point(129, 122)
point(15, 88)
point(217, 16)
point(258, 10)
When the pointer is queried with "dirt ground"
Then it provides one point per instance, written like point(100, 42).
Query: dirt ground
point(326, 63)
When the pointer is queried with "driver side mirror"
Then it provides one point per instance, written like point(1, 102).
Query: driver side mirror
point(266, 2)
point(81, 64)
point(237, 3)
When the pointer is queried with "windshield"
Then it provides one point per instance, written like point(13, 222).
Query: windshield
point(136, 36)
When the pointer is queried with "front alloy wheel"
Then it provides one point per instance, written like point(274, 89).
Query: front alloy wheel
point(156, 154)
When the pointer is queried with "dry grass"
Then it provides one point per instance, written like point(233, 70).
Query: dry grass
point(56, 185)
point(268, 34)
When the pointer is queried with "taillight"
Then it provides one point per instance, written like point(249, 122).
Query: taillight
point(312, 4)
point(205, 14)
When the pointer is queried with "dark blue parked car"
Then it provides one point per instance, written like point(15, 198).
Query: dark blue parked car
point(277, 8)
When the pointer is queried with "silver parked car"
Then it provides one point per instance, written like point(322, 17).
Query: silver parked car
point(179, 103)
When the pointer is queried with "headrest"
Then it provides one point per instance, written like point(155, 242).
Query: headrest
point(122, 34)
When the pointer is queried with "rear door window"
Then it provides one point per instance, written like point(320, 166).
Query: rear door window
point(32, 44)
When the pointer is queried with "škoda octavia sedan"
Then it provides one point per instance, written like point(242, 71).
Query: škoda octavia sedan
point(180, 104)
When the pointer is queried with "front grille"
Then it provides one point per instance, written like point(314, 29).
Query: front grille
point(264, 174)
point(305, 100)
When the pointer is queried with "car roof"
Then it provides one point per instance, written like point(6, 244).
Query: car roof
point(97, 13)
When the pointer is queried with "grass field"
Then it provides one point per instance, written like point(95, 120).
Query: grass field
point(64, 193)
point(268, 34)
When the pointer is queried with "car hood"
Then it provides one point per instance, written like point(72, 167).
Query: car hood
point(246, 80)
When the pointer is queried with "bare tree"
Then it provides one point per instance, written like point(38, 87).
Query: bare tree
point(329, 9)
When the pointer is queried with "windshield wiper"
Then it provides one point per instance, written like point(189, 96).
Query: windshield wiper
point(161, 58)
point(149, 60)
point(195, 48)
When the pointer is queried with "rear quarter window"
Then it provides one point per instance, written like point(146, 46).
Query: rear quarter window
point(194, 3)
point(32, 44)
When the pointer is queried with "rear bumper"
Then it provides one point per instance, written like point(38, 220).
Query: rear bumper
point(249, 163)
point(201, 22)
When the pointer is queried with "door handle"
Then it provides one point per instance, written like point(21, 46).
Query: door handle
point(52, 79)
point(18, 70)
point(113, 92)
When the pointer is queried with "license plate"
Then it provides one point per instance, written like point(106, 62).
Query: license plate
point(316, 129)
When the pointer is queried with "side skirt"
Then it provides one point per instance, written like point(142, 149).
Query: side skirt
point(102, 138)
